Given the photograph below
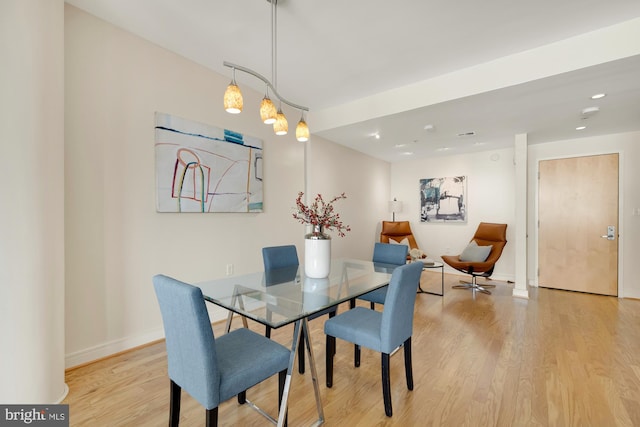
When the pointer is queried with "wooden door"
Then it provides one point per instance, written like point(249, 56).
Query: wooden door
point(577, 201)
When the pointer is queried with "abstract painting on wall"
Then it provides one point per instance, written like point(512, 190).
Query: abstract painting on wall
point(443, 199)
point(202, 168)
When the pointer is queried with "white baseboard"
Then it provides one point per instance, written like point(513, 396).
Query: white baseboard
point(100, 351)
point(112, 347)
point(521, 293)
point(65, 392)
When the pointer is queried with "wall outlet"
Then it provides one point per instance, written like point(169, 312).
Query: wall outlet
point(229, 269)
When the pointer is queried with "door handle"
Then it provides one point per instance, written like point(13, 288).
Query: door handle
point(611, 233)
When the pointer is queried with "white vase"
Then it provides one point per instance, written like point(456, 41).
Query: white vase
point(317, 254)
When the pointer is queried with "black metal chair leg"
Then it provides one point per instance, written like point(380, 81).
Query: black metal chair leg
point(333, 314)
point(301, 351)
point(372, 305)
point(330, 351)
point(212, 417)
point(386, 385)
point(408, 368)
point(356, 355)
point(267, 328)
point(242, 397)
point(175, 394)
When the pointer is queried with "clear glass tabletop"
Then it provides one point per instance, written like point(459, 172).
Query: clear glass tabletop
point(278, 297)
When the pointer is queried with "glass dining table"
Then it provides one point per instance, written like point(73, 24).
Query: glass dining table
point(280, 297)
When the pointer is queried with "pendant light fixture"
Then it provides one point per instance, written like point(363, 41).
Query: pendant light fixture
point(268, 113)
point(302, 130)
point(233, 97)
point(281, 126)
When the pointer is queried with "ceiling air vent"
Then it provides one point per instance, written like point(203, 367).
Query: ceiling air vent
point(466, 134)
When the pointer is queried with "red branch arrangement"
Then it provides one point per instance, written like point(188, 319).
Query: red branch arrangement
point(320, 213)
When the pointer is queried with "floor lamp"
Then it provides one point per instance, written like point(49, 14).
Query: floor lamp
point(395, 206)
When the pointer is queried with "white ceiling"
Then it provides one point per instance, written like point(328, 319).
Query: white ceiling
point(493, 67)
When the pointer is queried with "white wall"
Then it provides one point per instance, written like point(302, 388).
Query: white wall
point(628, 145)
point(115, 240)
point(490, 198)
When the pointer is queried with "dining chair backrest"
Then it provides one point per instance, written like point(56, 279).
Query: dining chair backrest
point(191, 348)
point(397, 316)
point(279, 257)
point(388, 253)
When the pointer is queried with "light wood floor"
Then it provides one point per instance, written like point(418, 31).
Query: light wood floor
point(558, 359)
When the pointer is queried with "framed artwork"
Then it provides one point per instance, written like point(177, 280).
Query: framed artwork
point(443, 199)
point(202, 168)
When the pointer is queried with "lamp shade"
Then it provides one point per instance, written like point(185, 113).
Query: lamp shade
point(395, 206)
point(233, 99)
point(281, 126)
point(268, 112)
point(302, 131)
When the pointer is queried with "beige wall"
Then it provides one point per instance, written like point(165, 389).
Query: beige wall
point(115, 240)
point(332, 169)
point(32, 213)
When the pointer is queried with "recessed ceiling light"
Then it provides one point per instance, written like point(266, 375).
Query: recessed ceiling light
point(376, 136)
point(598, 95)
point(407, 153)
point(589, 111)
point(400, 145)
point(443, 149)
point(581, 128)
point(428, 127)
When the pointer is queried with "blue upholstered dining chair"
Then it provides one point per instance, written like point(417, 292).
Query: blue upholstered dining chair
point(380, 331)
point(279, 259)
point(211, 370)
point(275, 257)
point(389, 254)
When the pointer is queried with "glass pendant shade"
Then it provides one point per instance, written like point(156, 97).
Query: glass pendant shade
point(302, 131)
point(268, 111)
point(233, 98)
point(281, 127)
